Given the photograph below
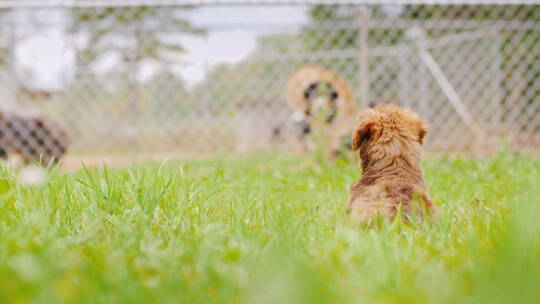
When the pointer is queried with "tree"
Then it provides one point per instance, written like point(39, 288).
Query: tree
point(137, 36)
point(4, 42)
point(342, 35)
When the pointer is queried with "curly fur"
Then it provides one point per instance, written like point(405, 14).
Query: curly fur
point(389, 142)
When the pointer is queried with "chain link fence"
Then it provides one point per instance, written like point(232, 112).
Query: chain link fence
point(193, 78)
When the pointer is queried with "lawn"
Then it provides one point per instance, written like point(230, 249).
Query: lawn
point(267, 229)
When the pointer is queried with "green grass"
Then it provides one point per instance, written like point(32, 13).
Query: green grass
point(267, 229)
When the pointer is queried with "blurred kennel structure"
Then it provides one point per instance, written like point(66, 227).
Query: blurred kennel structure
point(197, 77)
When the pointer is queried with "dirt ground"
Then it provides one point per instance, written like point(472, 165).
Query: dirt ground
point(75, 162)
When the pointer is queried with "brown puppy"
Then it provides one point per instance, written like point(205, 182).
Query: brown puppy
point(389, 143)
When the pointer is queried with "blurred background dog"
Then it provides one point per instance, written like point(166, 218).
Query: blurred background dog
point(324, 106)
point(31, 139)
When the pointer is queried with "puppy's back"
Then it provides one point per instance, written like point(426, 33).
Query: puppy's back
point(389, 143)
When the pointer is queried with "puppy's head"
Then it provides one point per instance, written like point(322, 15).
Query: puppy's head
point(388, 131)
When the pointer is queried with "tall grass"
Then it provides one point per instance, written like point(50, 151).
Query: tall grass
point(267, 229)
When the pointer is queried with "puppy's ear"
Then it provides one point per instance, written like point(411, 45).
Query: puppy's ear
point(422, 131)
point(361, 134)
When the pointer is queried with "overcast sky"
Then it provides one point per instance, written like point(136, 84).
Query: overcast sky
point(231, 45)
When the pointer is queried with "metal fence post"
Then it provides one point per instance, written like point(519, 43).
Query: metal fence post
point(363, 33)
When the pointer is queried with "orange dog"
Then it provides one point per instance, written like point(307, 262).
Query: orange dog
point(389, 143)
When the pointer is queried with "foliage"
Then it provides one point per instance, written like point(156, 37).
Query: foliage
point(260, 78)
point(267, 229)
point(342, 35)
point(136, 34)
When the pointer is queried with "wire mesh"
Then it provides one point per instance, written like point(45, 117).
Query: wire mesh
point(207, 77)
